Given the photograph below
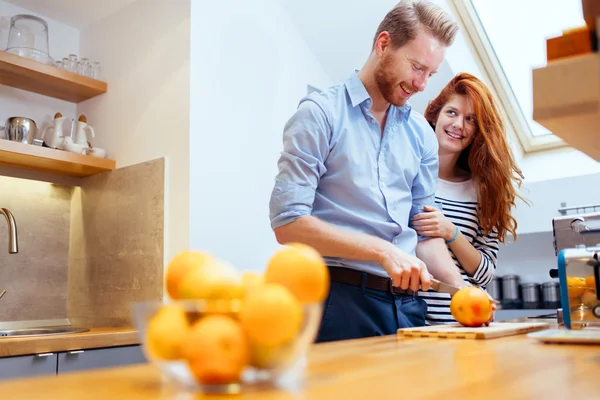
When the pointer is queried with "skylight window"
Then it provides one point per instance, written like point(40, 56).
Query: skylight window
point(510, 37)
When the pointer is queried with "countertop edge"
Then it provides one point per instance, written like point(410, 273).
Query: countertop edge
point(93, 339)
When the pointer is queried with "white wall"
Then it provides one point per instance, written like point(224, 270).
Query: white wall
point(546, 198)
point(144, 53)
point(339, 32)
point(531, 257)
point(555, 164)
point(249, 69)
point(62, 40)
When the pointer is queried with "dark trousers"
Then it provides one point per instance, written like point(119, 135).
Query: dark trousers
point(353, 312)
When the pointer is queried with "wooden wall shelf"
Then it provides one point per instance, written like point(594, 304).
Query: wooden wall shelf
point(566, 101)
point(27, 156)
point(33, 76)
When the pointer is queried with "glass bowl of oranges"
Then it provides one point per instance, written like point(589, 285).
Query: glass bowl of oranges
point(221, 331)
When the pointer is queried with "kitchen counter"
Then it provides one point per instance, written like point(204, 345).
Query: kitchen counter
point(375, 368)
point(94, 338)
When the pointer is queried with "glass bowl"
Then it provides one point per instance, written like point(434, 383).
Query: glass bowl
point(278, 366)
point(28, 37)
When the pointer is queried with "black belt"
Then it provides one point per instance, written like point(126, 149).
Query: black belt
point(355, 278)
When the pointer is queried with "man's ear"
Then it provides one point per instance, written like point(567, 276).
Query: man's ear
point(381, 43)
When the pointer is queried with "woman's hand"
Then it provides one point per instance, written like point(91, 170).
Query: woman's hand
point(433, 223)
point(494, 309)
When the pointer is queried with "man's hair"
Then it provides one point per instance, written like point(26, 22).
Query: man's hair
point(411, 17)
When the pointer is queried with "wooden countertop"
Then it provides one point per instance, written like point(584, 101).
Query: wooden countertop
point(515, 367)
point(94, 338)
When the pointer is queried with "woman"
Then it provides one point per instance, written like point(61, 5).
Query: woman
point(476, 189)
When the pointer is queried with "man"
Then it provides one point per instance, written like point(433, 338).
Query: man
point(356, 164)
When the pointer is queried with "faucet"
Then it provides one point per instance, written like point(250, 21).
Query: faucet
point(13, 242)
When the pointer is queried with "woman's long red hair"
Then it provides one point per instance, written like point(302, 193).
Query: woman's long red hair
point(488, 158)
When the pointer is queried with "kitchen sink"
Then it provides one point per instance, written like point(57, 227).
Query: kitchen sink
point(59, 330)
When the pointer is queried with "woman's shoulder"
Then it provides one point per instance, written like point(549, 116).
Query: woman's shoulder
point(459, 192)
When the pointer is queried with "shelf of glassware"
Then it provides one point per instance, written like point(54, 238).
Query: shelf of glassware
point(566, 101)
point(38, 158)
point(37, 77)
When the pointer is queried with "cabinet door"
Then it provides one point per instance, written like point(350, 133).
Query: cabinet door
point(26, 366)
point(99, 358)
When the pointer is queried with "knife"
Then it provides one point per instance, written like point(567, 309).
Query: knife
point(443, 287)
point(439, 286)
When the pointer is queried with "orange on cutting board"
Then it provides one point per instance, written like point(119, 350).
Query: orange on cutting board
point(471, 306)
point(302, 270)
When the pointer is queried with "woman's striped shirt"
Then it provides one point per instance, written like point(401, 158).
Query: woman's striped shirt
point(458, 202)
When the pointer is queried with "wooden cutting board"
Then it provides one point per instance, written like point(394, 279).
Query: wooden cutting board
point(457, 331)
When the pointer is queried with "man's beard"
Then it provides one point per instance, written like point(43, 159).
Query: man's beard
point(384, 77)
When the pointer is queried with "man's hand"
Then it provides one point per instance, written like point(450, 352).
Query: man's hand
point(406, 271)
point(433, 223)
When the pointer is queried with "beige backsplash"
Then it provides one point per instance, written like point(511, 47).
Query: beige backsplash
point(35, 279)
point(116, 257)
point(85, 252)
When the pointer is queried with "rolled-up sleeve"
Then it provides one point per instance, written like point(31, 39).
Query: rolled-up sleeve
point(301, 164)
point(425, 183)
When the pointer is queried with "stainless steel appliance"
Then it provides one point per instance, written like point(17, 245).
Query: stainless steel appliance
point(19, 129)
point(577, 245)
point(511, 296)
point(550, 295)
point(495, 287)
point(577, 226)
point(530, 295)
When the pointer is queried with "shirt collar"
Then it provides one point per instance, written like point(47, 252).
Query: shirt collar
point(356, 90)
point(358, 95)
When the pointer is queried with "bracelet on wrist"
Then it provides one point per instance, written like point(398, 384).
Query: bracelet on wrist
point(455, 236)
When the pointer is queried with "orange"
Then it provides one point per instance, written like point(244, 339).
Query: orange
point(590, 282)
point(302, 270)
point(251, 281)
point(589, 299)
point(216, 350)
point(214, 280)
point(267, 357)
point(182, 264)
point(271, 316)
point(167, 330)
point(575, 286)
point(471, 306)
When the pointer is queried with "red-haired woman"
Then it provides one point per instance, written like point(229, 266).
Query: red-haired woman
point(476, 186)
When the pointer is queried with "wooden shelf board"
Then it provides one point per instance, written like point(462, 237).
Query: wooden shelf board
point(33, 76)
point(566, 101)
point(27, 156)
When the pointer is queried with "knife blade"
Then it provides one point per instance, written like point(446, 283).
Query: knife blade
point(443, 287)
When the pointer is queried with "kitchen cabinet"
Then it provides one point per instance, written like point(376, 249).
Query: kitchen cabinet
point(28, 366)
point(69, 361)
point(574, 115)
point(80, 360)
